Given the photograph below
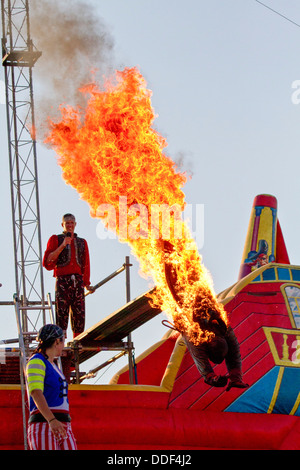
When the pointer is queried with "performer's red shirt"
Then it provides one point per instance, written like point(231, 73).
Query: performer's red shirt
point(73, 267)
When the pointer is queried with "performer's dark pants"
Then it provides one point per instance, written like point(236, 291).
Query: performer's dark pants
point(69, 299)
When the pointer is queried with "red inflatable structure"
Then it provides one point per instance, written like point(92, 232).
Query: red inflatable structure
point(171, 407)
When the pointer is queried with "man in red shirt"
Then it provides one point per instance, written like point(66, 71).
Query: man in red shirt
point(68, 256)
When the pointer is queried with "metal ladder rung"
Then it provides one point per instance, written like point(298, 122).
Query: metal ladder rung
point(28, 335)
point(45, 307)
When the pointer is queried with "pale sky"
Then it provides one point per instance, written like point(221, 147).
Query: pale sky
point(222, 75)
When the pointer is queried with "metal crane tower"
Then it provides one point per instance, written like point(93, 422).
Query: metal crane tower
point(18, 58)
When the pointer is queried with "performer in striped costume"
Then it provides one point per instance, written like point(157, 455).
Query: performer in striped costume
point(49, 426)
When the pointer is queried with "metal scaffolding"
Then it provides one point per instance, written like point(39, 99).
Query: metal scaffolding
point(18, 59)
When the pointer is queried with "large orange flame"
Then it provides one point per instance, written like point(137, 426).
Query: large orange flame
point(113, 157)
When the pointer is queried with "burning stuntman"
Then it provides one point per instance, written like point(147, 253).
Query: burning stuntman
point(221, 343)
point(223, 346)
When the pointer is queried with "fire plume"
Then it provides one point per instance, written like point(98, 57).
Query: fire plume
point(110, 153)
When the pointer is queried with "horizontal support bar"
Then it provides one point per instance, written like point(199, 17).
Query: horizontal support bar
point(27, 307)
point(98, 345)
point(20, 58)
point(11, 302)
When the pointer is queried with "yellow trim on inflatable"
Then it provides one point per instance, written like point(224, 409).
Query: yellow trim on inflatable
point(228, 294)
point(116, 387)
point(10, 387)
point(165, 386)
point(82, 387)
point(115, 378)
point(296, 405)
point(168, 379)
point(172, 368)
point(276, 390)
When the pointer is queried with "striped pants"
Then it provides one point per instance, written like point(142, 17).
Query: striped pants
point(70, 300)
point(40, 437)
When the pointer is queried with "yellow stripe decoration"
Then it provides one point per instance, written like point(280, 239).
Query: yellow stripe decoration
point(296, 405)
point(276, 390)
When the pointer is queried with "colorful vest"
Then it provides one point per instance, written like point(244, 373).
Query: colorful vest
point(65, 256)
point(42, 375)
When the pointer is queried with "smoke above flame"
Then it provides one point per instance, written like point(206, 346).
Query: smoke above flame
point(74, 40)
point(111, 154)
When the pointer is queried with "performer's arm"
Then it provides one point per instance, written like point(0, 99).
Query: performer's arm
point(53, 251)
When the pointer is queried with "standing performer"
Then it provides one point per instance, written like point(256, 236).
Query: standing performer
point(68, 256)
point(49, 426)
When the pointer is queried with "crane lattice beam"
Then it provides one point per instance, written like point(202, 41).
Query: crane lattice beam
point(18, 59)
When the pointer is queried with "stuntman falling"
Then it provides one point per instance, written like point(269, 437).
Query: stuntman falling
point(222, 345)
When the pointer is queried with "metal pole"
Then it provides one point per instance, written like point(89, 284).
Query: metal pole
point(22, 369)
point(130, 346)
point(7, 34)
point(92, 373)
point(108, 278)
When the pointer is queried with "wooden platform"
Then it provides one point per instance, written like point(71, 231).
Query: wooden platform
point(108, 334)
